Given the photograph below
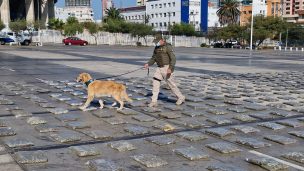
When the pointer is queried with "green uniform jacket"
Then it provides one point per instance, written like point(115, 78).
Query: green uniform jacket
point(163, 55)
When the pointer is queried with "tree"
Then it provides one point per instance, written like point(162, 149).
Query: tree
point(266, 27)
point(295, 35)
point(113, 14)
point(117, 26)
point(72, 27)
point(93, 29)
point(228, 12)
point(183, 29)
point(55, 24)
point(2, 25)
point(141, 30)
point(232, 32)
point(18, 25)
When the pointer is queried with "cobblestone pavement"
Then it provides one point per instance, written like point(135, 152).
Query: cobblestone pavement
point(231, 121)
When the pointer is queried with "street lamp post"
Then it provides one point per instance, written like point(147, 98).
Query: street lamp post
point(251, 28)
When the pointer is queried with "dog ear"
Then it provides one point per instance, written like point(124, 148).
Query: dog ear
point(86, 77)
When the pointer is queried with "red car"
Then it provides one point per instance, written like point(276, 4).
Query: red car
point(74, 41)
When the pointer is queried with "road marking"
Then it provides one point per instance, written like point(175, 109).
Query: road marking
point(278, 160)
point(7, 68)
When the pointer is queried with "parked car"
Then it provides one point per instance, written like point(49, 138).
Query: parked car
point(23, 38)
point(231, 43)
point(218, 45)
point(74, 41)
point(5, 39)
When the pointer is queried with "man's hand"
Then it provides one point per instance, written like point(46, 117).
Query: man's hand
point(146, 66)
point(169, 72)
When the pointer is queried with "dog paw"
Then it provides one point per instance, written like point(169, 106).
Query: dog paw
point(101, 107)
point(114, 104)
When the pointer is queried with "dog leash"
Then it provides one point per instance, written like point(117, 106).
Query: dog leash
point(114, 76)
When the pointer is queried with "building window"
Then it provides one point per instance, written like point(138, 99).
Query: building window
point(244, 12)
point(160, 14)
point(165, 14)
point(165, 5)
point(129, 17)
point(173, 23)
point(160, 24)
point(152, 15)
point(165, 24)
point(250, 12)
point(173, 4)
point(160, 5)
point(156, 24)
point(152, 24)
point(152, 6)
point(155, 5)
point(156, 15)
point(173, 14)
point(169, 4)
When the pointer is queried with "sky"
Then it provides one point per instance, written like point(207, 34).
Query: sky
point(96, 4)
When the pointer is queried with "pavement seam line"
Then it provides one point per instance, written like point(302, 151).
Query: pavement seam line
point(276, 159)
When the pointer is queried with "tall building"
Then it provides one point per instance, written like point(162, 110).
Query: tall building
point(252, 7)
point(141, 2)
point(73, 3)
point(274, 8)
point(30, 10)
point(80, 9)
point(293, 11)
point(106, 4)
point(246, 13)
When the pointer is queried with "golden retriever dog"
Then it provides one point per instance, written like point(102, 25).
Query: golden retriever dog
point(98, 88)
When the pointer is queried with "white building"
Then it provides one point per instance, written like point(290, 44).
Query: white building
point(134, 14)
point(259, 7)
point(163, 13)
point(213, 19)
point(82, 13)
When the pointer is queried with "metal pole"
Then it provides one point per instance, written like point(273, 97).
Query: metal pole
point(251, 30)
point(286, 39)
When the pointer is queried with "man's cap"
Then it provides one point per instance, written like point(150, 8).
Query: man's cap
point(157, 38)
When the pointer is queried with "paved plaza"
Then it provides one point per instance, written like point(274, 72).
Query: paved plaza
point(243, 112)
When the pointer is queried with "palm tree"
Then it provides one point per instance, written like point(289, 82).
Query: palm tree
point(228, 12)
point(113, 13)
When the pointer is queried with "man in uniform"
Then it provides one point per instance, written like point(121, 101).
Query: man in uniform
point(165, 59)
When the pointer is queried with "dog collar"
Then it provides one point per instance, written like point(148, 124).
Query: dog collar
point(88, 82)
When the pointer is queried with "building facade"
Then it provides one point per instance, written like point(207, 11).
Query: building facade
point(274, 8)
point(106, 4)
point(141, 2)
point(163, 13)
point(135, 14)
point(293, 11)
point(73, 3)
point(82, 13)
point(30, 10)
point(252, 7)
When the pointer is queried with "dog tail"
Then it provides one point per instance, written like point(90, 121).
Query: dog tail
point(124, 94)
